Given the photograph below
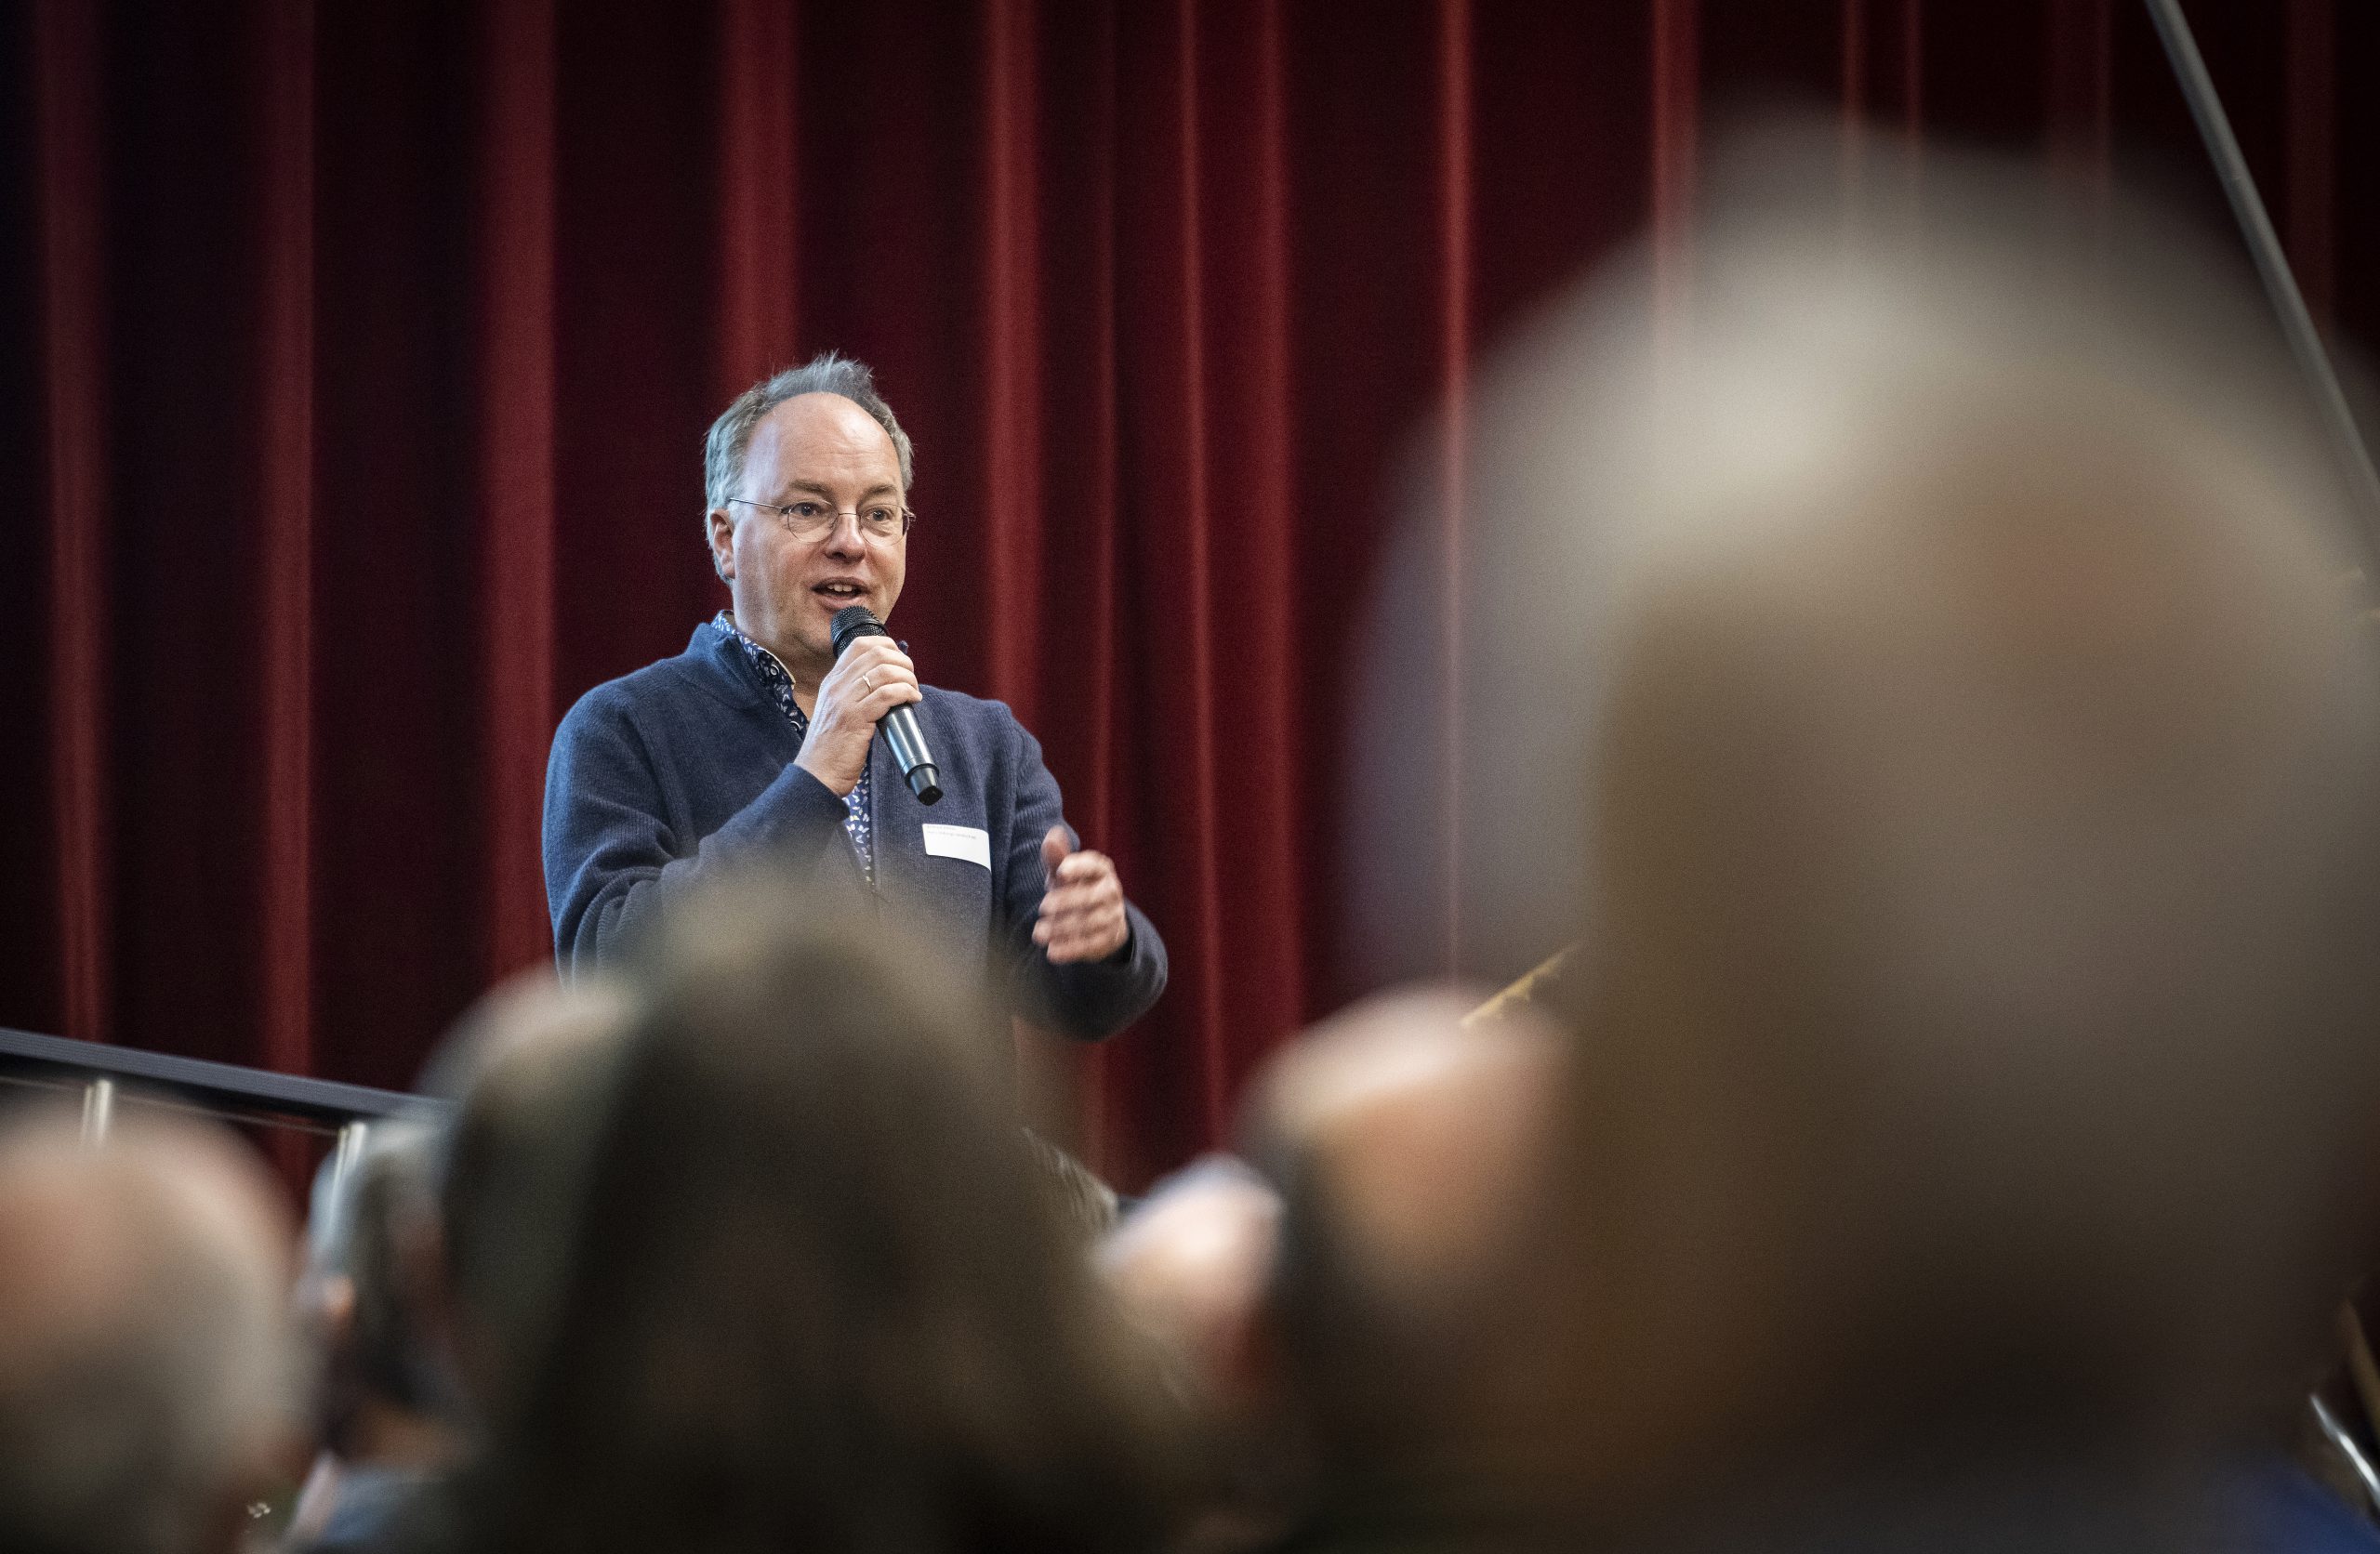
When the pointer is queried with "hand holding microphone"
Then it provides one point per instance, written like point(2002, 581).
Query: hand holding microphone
point(870, 681)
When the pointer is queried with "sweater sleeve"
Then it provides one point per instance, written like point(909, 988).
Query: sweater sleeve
point(612, 859)
point(1088, 1000)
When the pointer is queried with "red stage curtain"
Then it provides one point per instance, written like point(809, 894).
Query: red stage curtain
point(363, 354)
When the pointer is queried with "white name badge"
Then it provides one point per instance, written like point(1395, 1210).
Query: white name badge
point(970, 842)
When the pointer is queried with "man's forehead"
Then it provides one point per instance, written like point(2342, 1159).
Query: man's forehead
point(819, 427)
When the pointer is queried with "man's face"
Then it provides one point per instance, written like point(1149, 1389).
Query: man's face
point(817, 448)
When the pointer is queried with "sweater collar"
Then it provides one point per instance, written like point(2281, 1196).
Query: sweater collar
point(774, 675)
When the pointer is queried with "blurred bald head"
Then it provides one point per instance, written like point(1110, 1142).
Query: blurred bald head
point(1419, 1128)
point(1188, 1265)
point(1975, 824)
point(149, 1384)
point(1407, 1147)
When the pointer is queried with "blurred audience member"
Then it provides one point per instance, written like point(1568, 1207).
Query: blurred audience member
point(1189, 1264)
point(1972, 1129)
point(149, 1379)
point(1407, 1147)
point(1325, 1321)
point(811, 1292)
point(523, 1068)
point(388, 1412)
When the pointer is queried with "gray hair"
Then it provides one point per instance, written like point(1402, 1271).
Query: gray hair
point(827, 373)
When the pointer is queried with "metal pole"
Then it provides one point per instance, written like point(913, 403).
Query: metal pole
point(98, 1111)
point(2272, 264)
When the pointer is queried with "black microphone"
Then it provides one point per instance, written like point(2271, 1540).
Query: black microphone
point(900, 725)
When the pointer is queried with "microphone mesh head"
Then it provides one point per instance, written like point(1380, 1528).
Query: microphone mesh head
point(852, 620)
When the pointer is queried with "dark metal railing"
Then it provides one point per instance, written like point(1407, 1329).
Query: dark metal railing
point(101, 1073)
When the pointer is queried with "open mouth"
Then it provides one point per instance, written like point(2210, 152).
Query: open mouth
point(840, 593)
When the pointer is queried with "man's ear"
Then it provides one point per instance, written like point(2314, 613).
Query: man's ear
point(721, 527)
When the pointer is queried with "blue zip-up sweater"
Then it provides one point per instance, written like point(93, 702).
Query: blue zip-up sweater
point(661, 778)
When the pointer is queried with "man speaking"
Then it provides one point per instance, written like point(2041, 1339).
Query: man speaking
point(758, 743)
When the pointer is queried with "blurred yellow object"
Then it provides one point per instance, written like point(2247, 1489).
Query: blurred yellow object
point(1529, 990)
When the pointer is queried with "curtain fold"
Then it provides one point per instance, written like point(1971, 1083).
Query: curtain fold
point(68, 155)
point(515, 328)
point(372, 348)
point(286, 375)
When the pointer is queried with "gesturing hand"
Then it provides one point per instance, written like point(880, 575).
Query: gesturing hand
point(1082, 916)
point(871, 679)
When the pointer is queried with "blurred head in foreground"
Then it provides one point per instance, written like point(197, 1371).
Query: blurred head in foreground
point(371, 1250)
point(150, 1382)
point(1321, 1302)
point(526, 1067)
point(1188, 1264)
point(1930, 633)
point(386, 1404)
point(812, 1291)
point(1405, 1144)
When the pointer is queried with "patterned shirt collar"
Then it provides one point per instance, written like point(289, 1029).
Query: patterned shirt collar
point(769, 667)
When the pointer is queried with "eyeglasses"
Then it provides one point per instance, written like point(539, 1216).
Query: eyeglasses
point(808, 519)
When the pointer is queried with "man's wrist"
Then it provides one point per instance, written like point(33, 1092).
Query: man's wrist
point(824, 780)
